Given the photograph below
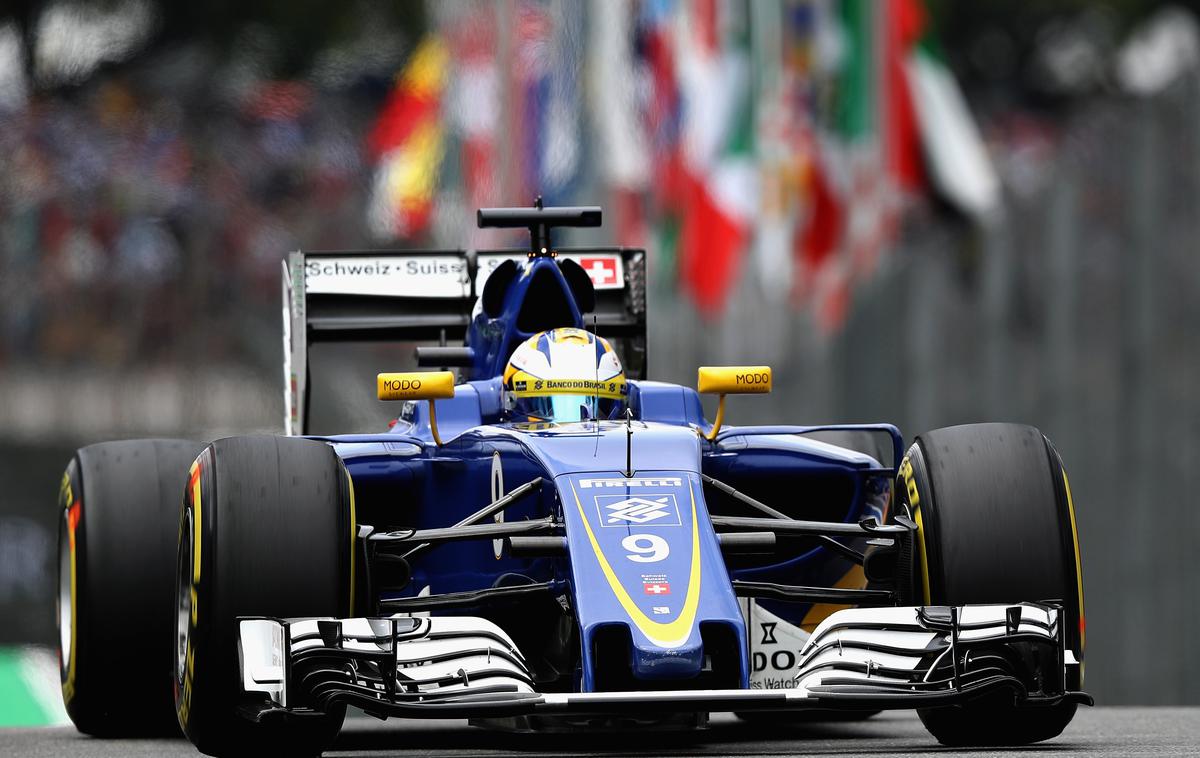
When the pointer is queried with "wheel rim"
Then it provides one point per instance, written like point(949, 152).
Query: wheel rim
point(183, 596)
point(65, 592)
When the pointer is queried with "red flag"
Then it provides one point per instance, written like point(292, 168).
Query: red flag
point(822, 234)
point(720, 180)
point(906, 21)
point(709, 243)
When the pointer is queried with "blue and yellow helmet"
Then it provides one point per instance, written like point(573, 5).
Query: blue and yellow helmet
point(564, 375)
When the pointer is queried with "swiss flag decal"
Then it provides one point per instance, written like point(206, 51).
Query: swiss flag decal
point(603, 271)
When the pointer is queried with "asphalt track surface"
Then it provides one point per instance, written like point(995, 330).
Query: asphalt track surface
point(1095, 731)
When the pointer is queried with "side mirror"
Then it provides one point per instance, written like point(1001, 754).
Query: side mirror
point(731, 380)
point(418, 385)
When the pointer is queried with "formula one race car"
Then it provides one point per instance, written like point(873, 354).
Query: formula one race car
point(555, 541)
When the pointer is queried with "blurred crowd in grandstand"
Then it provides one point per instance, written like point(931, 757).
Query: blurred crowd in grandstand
point(145, 208)
point(129, 214)
point(150, 189)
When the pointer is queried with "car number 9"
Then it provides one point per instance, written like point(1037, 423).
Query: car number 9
point(646, 548)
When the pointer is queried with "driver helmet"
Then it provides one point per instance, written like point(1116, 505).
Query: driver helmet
point(564, 375)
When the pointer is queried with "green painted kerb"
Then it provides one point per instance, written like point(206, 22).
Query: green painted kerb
point(18, 705)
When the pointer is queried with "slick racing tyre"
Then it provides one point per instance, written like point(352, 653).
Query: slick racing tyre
point(996, 525)
point(266, 530)
point(119, 509)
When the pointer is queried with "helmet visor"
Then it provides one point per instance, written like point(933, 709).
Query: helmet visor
point(566, 408)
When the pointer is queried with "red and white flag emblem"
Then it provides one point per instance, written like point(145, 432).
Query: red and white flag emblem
point(602, 270)
point(656, 588)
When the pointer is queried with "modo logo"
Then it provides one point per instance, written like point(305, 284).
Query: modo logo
point(752, 378)
point(402, 385)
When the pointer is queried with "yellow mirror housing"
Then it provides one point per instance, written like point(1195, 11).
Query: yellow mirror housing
point(418, 385)
point(734, 380)
point(731, 380)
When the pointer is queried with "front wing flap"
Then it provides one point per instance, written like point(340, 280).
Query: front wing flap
point(467, 667)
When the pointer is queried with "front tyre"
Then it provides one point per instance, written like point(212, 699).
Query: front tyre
point(266, 530)
point(996, 525)
point(118, 506)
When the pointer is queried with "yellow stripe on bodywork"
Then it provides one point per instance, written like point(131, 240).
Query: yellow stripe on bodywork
point(669, 634)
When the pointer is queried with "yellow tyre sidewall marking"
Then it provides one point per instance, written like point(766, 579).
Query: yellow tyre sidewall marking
point(914, 502)
point(1078, 569)
point(185, 699)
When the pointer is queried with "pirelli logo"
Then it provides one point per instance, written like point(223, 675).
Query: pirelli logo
point(669, 481)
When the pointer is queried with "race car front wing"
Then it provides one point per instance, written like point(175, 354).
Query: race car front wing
point(467, 667)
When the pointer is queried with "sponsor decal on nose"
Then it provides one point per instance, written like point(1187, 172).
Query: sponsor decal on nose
point(668, 481)
point(656, 585)
point(638, 510)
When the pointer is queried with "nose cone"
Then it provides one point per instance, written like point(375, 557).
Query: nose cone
point(649, 661)
point(646, 573)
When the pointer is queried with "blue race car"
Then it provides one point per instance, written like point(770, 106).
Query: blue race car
point(550, 540)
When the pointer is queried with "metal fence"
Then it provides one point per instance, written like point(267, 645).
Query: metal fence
point(1079, 313)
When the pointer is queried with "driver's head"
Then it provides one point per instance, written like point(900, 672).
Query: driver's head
point(564, 375)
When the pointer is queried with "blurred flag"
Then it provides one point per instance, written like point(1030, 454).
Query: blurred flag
point(660, 113)
point(546, 98)
point(778, 84)
point(794, 130)
point(561, 102)
point(406, 145)
point(840, 140)
point(810, 54)
point(956, 158)
point(720, 178)
point(906, 24)
point(615, 109)
point(899, 123)
point(474, 112)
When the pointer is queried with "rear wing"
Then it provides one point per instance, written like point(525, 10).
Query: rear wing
point(429, 296)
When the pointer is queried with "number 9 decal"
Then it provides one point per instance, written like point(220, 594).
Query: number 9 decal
point(646, 548)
